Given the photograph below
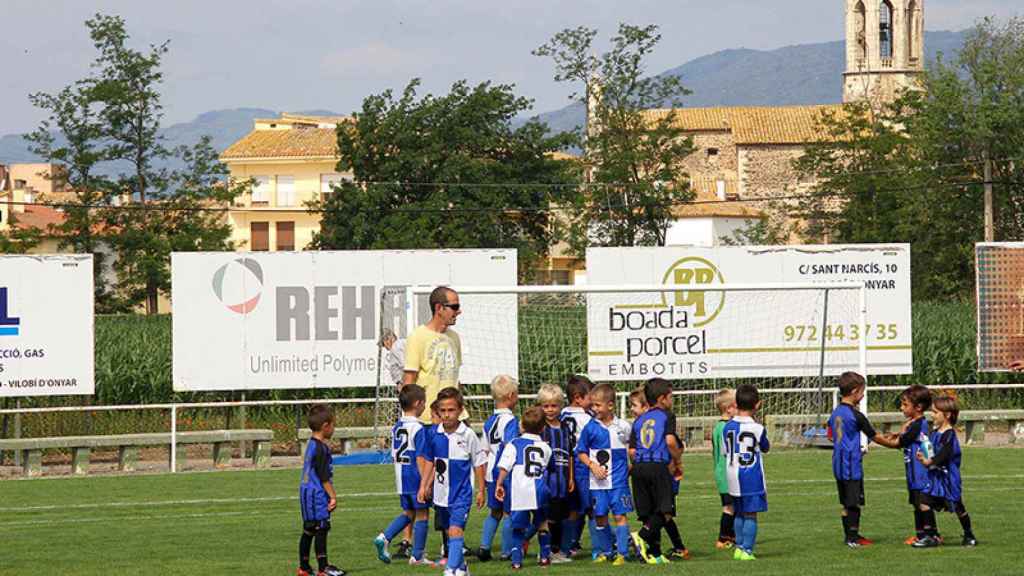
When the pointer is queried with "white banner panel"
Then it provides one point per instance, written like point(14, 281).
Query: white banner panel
point(692, 334)
point(46, 325)
point(271, 320)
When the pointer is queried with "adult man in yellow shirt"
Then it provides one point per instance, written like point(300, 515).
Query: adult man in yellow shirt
point(433, 352)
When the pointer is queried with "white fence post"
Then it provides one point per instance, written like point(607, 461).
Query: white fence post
point(174, 438)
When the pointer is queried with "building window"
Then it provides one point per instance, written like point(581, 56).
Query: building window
point(553, 277)
point(885, 30)
point(285, 236)
point(261, 190)
point(329, 181)
point(286, 190)
point(259, 236)
point(860, 33)
point(911, 19)
point(712, 151)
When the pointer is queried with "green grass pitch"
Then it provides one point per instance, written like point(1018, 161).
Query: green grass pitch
point(248, 523)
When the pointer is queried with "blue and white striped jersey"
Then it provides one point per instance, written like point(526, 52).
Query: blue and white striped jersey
point(500, 427)
point(744, 441)
point(575, 419)
point(526, 458)
point(558, 440)
point(607, 444)
point(408, 438)
point(454, 456)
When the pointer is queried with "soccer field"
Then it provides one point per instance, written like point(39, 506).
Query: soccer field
point(248, 522)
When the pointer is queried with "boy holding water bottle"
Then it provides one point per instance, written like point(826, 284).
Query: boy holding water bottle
point(914, 439)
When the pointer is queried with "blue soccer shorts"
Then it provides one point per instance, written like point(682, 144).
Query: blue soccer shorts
point(750, 504)
point(456, 515)
point(523, 519)
point(492, 500)
point(617, 501)
point(409, 502)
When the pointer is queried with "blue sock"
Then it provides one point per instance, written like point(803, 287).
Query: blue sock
point(602, 540)
point(568, 536)
point(516, 551)
point(622, 539)
point(419, 538)
point(596, 546)
point(490, 528)
point(545, 544)
point(397, 525)
point(507, 538)
point(455, 544)
point(749, 534)
point(530, 532)
point(738, 524)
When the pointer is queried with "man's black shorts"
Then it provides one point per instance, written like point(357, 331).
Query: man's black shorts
point(918, 498)
point(851, 493)
point(726, 498)
point(558, 509)
point(652, 489)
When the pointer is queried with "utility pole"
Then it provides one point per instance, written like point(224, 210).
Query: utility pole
point(990, 228)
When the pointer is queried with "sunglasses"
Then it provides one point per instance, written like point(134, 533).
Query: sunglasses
point(452, 306)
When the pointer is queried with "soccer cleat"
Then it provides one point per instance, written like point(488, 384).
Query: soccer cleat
point(723, 544)
point(422, 562)
point(910, 541)
point(331, 571)
point(303, 572)
point(747, 556)
point(620, 560)
point(679, 554)
point(517, 566)
point(658, 560)
point(559, 558)
point(864, 541)
point(449, 572)
point(443, 561)
point(382, 549)
point(404, 550)
point(737, 553)
point(600, 559)
point(926, 542)
point(969, 541)
point(544, 562)
point(641, 546)
point(484, 554)
point(853, 544)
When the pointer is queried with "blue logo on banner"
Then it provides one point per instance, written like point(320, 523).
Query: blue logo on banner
point(8, 324)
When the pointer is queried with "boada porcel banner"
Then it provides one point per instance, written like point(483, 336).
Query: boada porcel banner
point(277, 320)
point(46, 325)
point(685, 332)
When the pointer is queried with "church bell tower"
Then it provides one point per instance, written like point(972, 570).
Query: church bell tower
point(884, 48)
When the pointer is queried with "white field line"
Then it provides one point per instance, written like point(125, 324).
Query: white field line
point(375, 510)
point(357, 495)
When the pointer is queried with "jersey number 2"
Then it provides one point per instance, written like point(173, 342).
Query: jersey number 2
point(402, 436)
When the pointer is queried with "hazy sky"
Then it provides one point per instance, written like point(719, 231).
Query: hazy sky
point(304, 54)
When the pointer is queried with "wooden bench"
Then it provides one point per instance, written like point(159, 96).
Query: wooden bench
point(128, 448)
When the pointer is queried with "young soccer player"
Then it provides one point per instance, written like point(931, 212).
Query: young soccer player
point(523, 488)
point(726, 404)
point(845, 426)
point(603, 448)
point(575, 418)
point(316, 493)
point(745, 441)
point(451, 455)
point(655, 450)
point(638, 406)
point(408, 438)
point(500, 428)
point(559, 474)
point(945, 491)
point(914, 402)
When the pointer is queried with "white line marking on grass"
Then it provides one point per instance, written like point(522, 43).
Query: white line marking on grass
point(136, 518)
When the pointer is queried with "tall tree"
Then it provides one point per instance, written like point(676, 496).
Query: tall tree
point(913, 170)
point(447, 171)
point(634, 157)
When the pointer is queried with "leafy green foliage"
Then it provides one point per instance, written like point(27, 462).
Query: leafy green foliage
point(446, 171)
point(634, 162)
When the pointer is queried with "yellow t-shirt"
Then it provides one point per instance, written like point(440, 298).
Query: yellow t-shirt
point(436, 357)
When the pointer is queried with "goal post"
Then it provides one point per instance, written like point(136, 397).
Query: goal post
point(790, 339)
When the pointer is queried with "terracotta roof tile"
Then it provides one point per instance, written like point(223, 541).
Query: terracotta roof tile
point(295, 143)
point(752, 124)
point(41, 217)
point(709, 206)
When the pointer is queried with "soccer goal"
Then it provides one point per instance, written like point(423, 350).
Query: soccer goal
point(790, 340)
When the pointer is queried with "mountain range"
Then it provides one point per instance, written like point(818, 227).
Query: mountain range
point(792, 75)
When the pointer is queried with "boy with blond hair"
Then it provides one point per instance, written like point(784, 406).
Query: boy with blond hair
point(500, 428)
point(559, 474)
point(726, 404)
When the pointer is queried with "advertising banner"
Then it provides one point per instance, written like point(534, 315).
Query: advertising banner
point(689, 333)
point(1000, 300)
point(46, 325)
point(275, 320)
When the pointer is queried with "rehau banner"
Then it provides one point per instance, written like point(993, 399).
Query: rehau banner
point(689, 333)
point(46, 325)
point(270, 320)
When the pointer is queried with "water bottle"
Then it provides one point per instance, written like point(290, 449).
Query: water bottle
point(926, 446)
